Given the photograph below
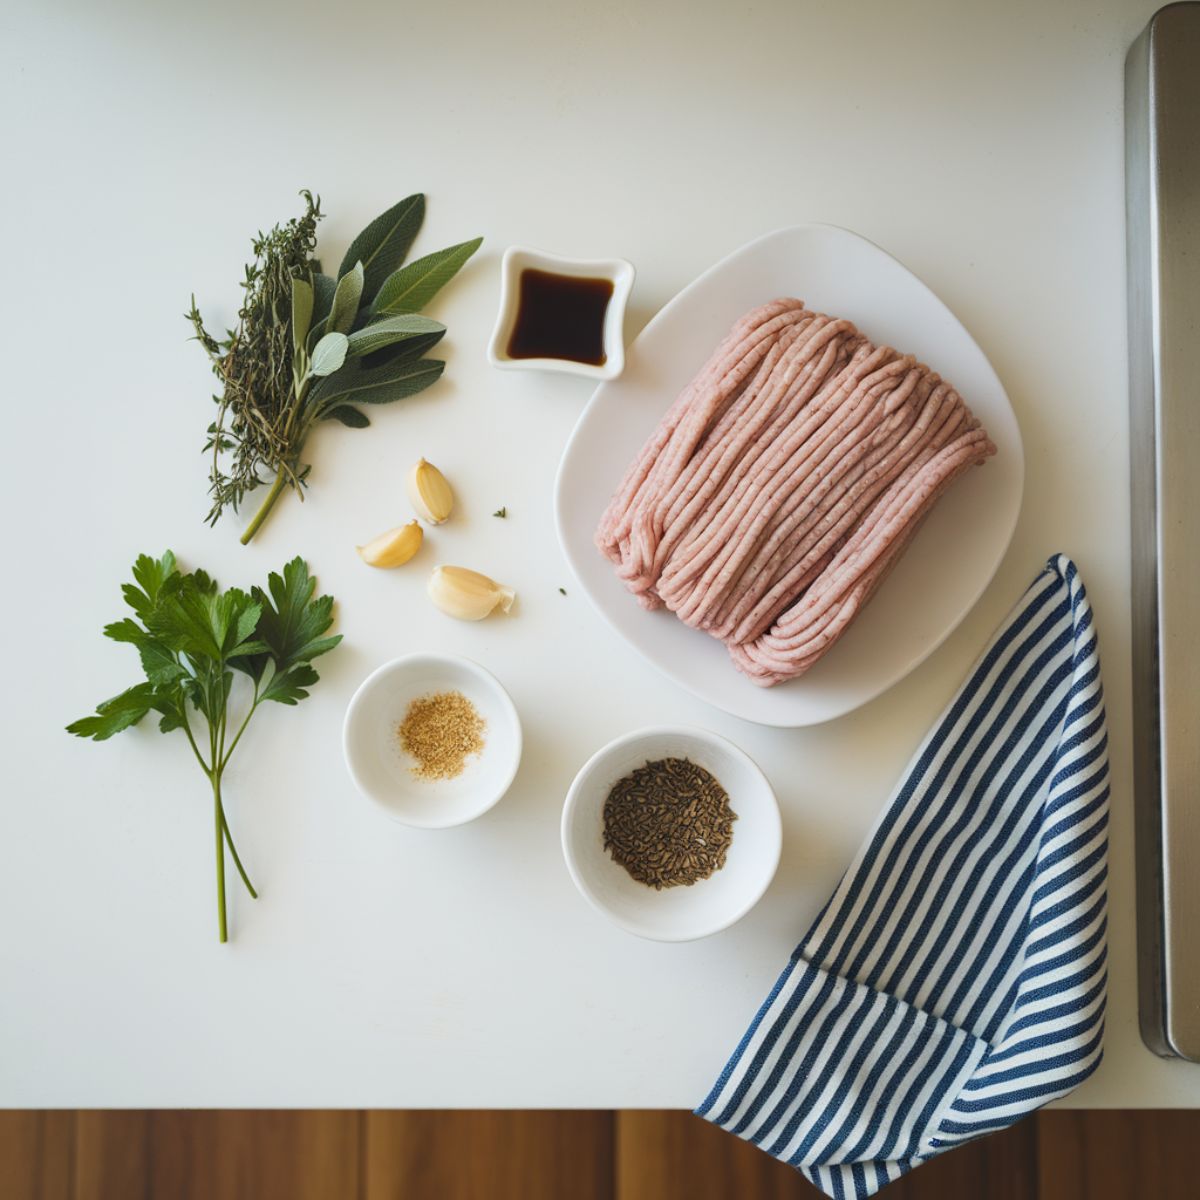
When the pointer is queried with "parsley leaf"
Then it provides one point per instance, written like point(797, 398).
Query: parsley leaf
point(288, 687)
point(205, 624)
point(153, 576)
point(292, 626)
point(161, 665)
point(116, 714)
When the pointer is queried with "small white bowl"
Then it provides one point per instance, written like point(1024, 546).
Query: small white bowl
point(381, 769)
point(684, 913)
point(616, 270)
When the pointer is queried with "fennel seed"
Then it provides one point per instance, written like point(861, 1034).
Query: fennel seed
point(668, 823)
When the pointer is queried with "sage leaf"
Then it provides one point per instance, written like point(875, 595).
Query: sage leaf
point(403, 351)
point(391, 329)
point(385, 243)
point(412, 287)
point(353, 381)
point(345, 301)
point(329, 353)
point(302, 309)
point(418, 381)
point(348, 415)
point(324, 287)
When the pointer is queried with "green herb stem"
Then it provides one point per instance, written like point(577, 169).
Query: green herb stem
point(226, 755)
point(236, 858)
point(264, 508)
point(219, 817)
point(222, 762)
point(195, 749)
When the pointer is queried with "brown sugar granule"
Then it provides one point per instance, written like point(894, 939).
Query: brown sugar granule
point(668, 823)
point(440, 731)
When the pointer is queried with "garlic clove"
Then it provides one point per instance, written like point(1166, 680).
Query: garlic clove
point(394, 548)
point(468, 595)
point(430, 493)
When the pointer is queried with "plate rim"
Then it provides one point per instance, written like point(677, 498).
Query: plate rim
point(1017, 465)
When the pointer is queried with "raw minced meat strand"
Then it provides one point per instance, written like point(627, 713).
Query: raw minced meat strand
point(783, 484)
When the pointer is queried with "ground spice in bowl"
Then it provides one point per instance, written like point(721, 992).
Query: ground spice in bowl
point(668, 823)
point(441, 731)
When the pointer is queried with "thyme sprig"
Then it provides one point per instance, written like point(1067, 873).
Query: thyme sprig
point(257, 403)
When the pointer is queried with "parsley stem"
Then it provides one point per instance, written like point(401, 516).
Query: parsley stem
point(221, 761)
point(195, 749)
point(219, 816)
point(236, 859)
point(237, 737)
point(265, 507)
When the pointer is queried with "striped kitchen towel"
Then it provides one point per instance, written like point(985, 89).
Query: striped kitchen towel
point(955, 980)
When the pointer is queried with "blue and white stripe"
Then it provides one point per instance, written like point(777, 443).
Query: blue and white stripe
point(956, 979)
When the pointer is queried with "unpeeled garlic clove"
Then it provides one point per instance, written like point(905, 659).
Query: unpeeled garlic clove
point(430, 493)
point(468, 595)
point(394, 548)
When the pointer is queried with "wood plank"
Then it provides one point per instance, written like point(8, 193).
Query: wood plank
point(499, 1155)
point(1001, 1166)
point(254, 1155)
point(1115, 1155)
point(112, 1155)
point(36, 1150)
point(1060, 1155)
point(674, 1155)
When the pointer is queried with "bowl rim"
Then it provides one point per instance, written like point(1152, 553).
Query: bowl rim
point(774, 816)
point(619, 271)
point(395, 665)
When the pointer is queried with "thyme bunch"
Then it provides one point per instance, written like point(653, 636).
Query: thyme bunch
point(257, 404)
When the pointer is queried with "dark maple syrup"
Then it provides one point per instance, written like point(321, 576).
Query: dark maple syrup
point(560, 316)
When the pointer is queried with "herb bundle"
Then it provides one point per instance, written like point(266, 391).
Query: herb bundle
point(191, 638)
point(308, 347)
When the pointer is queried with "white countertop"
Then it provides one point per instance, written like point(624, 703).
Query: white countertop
point(979, 143)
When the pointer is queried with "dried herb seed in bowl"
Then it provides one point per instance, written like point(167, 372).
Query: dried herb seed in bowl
point(668, 823)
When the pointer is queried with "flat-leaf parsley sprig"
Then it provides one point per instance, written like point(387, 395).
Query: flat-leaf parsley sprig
point(191, 638)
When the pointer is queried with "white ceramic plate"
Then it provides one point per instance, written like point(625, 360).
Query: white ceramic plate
point(951, 560)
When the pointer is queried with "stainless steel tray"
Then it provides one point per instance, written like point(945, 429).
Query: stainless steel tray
point(1162, 115)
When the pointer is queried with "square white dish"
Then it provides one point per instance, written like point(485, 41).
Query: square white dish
point(520, 258)
point(950, 561)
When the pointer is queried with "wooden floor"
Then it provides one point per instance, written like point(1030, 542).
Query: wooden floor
point(549, 1156)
